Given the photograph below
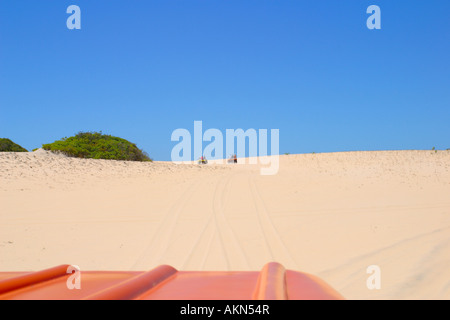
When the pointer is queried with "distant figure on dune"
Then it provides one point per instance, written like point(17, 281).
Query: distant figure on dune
point(202, 160)
point(232, 159)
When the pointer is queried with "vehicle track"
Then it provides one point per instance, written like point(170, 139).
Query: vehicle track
point(277, 248)
point(205, 236)
point(234, 250)
point(215, 205)
point(217, 225)
point(161, 240)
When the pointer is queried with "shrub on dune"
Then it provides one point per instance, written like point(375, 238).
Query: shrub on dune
point(95, 145)
point(7, 145)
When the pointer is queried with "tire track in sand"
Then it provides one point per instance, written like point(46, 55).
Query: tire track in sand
point(162, 238)
point(206, 236)
point(277, 248)
point(217, 226)
point(196, 258)
point(233, 249)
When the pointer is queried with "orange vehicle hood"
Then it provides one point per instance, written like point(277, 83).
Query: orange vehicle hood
point(273, 282)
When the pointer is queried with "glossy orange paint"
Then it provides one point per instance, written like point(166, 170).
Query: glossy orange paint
point(273, 282)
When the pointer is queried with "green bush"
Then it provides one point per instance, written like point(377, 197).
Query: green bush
point(95, 145)
point(7, 145)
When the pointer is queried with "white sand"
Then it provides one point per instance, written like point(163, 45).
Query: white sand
point(332, 215)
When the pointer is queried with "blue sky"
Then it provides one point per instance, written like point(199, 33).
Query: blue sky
point(312, 69)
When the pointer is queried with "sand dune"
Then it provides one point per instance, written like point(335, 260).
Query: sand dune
point(332, 215)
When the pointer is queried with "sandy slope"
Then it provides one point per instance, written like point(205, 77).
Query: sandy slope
point(332, 215)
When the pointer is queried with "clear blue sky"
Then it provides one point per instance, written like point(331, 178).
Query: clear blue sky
point(312, 69)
